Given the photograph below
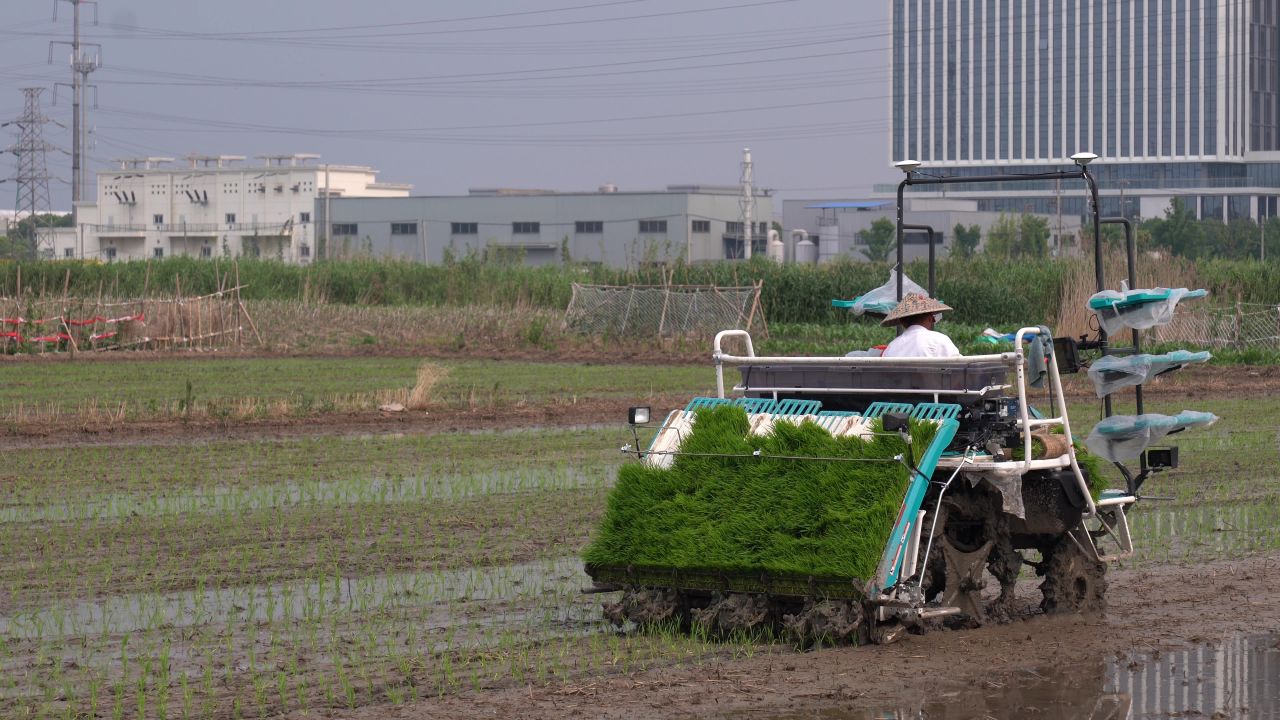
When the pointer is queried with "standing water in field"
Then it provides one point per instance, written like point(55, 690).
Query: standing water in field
point(1238, 677)
point(512, 589)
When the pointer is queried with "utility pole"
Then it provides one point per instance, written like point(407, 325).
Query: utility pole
point(747, 203)
point(1057, 239)
point(33, 170)
point(85, 58)
point(1262, 233)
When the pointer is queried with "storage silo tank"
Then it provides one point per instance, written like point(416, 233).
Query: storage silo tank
point(775, 250)
point(806, 249)
point(796, 236)
point(828, 241)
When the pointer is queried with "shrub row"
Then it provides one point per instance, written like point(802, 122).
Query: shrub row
point(983, 291)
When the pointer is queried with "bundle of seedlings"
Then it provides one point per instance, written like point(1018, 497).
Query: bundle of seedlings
point(806, 504)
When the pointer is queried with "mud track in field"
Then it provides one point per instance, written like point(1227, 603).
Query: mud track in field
point(1154, 610)
point(588, 411)
point(1191, 383)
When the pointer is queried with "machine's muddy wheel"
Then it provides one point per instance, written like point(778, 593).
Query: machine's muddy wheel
point(649, 607)
point(884, 633)
point(961, 551)
point(1073, 582)
point(731, 613)
point(827, 622)
point(1005, 564)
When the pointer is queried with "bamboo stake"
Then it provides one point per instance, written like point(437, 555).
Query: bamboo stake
point(97, 312)
point(225, 312)
point(66, 327)
point(235, 264)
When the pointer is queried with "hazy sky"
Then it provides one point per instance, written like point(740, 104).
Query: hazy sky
point(562, 94)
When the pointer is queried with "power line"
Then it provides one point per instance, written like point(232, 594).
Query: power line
point(520, 75)
point(272, 36)
point(437, 21)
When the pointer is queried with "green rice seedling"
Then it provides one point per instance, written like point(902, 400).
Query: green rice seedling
point(188, 696)
point(722, 506)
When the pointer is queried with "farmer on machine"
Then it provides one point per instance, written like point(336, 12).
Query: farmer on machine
point(918, 314)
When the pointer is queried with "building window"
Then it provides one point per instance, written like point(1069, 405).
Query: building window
point(231, 218)
point(68, 253)
point(653, 227)
point(526, 228)
point(404, 228)
point(733, 228)
point(464, 228)
point(588, 227)
point(109, 253)
point(346, 229)
point(702, 226)
point(304, 217)
point(157, 219)
point(304, 250)
point(157, 252)
point(206, 252)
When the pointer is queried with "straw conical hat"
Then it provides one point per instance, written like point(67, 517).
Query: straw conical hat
point(913, 304)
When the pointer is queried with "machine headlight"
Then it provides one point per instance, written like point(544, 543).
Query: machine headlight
point(638, 415)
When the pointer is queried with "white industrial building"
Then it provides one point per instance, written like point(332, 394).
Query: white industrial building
point(214, 206)
point(683, 223)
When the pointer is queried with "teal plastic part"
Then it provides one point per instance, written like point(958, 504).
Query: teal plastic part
point(1139, 297)
point(705, 402)
point(755, 405)
point(935, 411)
point(797, 407)
point(1127, 425)
point(883, 307)
point(876, 409)
point(1186, 356)
point(1113, 494)
point(896, 549)
point(838, 413)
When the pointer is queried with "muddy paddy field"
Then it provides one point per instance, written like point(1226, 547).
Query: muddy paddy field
point(312, 556)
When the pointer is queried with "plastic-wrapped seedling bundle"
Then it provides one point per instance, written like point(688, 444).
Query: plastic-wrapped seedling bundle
point(881, 300)
point(1114, 372)
point(1124, 437)
point(1138, 309)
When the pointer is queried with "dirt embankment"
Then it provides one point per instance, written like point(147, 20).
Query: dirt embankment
point(1151, 611)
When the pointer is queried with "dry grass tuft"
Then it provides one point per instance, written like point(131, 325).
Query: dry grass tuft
point(1079, 284)
point(429, 374)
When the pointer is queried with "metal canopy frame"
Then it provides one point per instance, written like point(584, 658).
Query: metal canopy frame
point(915, 177)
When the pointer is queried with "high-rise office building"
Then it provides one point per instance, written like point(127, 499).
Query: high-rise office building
point(1178, 97)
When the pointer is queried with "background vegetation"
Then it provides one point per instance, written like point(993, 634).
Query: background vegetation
point(988, 290)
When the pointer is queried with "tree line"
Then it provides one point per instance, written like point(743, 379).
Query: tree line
point(1178, 232)
point(18, 240)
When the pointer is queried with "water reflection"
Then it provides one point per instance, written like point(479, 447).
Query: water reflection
point(1236, 678)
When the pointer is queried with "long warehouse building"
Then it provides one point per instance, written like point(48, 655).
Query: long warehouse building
point(692, 223)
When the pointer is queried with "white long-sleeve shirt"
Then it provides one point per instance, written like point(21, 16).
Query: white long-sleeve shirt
point(917, 341)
